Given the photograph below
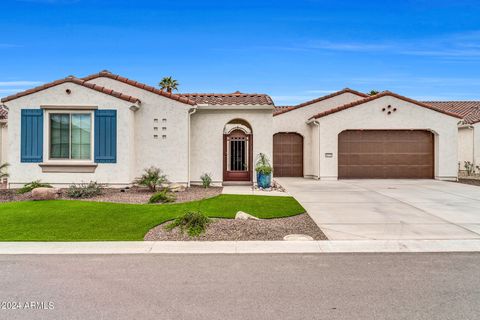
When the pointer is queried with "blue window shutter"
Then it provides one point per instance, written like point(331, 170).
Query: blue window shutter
point(105, 141)
point(31, 135)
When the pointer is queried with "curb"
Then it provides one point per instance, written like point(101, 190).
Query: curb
point(239, 247)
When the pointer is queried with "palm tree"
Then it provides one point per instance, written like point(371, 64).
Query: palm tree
point(2, 173)
point(169, 84)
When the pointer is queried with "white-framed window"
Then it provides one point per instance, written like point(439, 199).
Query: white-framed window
point(70, 135)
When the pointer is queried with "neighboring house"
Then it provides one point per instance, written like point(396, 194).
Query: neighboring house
point(108, 128)
point(468, 129)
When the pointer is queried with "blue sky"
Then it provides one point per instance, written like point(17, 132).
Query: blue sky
point(292, 50)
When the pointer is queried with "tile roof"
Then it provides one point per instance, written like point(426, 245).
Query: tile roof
point(3, 113)
point(108, 74)
point(380, 95)
point(72, 79)
point(468, 110)
point(328, 96)
point(236, 98)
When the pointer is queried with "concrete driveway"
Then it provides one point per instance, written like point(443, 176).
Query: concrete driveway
point(390, 209)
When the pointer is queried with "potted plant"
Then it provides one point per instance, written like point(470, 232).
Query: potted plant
point(264, 171)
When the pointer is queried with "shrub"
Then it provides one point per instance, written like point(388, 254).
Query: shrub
point(32, 185)
point(262, 165)
point(151, 178)
point(3, 171)
point(162, 196)
point(206, 179)
point(194, 222)
point(84, 190)
point(469, 167)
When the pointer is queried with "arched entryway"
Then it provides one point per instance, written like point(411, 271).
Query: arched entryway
point(287, 154)
point(237, 151)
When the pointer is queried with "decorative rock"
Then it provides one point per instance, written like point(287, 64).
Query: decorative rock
point(297, 237)
point(176, 187)
point(244, 216)
point(44, 194)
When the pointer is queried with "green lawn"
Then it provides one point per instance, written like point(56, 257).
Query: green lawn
point(68, 220)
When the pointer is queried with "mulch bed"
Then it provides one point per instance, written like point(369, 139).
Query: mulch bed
point(132, 195)
point(239, 230)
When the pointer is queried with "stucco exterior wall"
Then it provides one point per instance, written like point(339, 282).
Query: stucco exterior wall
point(465, 145)
point(4, 142)
point(295, 121)
point(207, 138)
point(476, 143)
point(169, 153)
point(111, 173)
point(407, 116)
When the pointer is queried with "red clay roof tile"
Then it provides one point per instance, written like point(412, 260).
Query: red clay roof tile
point(468, 110)
point(75, 81)
point(281, 110)
point(236, 98)
point(108, 74)
point(377, 96)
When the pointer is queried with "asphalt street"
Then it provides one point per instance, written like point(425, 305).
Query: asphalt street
point(247, 286)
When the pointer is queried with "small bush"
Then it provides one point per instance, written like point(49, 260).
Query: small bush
point(84, 190)
point(163, 196)
point(32, 185)
point(194, 222)
point(151, 178)
point(3, 171)
point(263, 165)
point(206, 180)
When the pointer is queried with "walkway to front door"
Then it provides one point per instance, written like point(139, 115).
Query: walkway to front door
point(390, 209)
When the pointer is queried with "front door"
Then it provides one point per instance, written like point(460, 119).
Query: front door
point(237, 156)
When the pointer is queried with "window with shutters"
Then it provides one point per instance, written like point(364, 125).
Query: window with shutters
point(70, 135)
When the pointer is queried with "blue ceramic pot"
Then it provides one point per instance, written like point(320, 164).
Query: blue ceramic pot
point(264, 180)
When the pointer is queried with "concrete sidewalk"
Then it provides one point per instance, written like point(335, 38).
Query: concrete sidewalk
point(206, 247)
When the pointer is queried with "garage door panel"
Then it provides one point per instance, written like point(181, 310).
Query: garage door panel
point(385, 154)
point(287, 155)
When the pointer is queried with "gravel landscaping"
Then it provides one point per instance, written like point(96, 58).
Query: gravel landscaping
point(237, 230)
point(471, 181)
point(132, 195)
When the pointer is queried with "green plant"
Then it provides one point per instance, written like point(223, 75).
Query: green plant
point(195, 222)
point(151, 178)
point(206, 180)
point(32, 185)
point(262, 164)
point(3, 173)
point(84, 190)
point(373, 92)
point(469, 167)
point(169, 84)
point(163, 196)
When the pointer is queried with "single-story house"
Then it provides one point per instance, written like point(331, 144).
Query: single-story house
point(108, 128)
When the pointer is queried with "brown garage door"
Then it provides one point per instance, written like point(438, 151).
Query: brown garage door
point(287, 155)
point(385, 154)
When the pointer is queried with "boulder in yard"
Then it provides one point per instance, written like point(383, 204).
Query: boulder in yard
point(176, 187)
point(44, 194)
point(244, 216)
